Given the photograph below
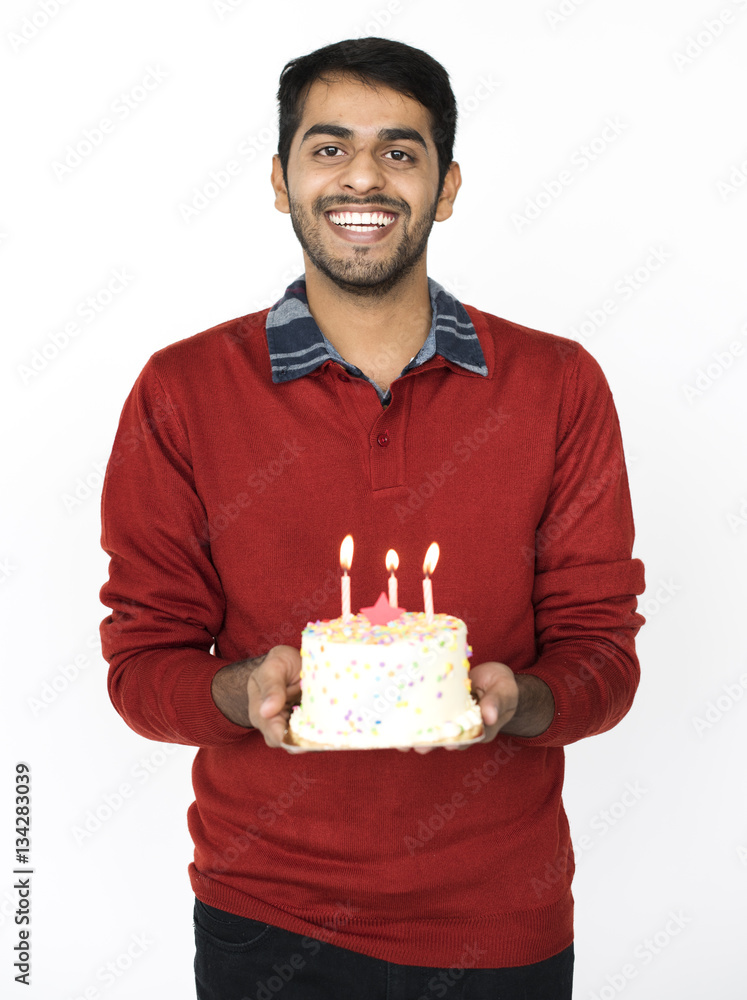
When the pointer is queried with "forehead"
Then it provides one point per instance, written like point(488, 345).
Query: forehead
point(364, 107)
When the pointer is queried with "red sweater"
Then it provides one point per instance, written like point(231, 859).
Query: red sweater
point(225, 501)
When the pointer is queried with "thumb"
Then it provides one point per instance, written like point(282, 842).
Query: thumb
point(272, 700)
point(489, 709)
point(488, 703)
point(274, 677)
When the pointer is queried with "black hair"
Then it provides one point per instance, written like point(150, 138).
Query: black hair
point(401, 67)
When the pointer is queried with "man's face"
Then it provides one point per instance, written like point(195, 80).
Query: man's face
point(365, 151)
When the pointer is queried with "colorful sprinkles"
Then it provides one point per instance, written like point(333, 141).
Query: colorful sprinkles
point(425, 655)
point(411, 626)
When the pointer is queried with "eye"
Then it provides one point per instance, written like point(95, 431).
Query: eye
point(325, 149)
point(400, 155)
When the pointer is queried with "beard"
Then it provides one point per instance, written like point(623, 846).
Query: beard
point(359, 274)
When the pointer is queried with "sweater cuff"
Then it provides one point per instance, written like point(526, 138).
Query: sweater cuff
point(561, 730)
point(196, 713)
point(586, 702)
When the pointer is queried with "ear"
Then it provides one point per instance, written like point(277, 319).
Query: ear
point(278, 184)
point(452, 183)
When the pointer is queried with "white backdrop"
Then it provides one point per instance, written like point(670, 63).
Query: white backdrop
point(604, 158)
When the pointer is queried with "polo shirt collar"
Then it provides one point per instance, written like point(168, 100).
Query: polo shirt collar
point(297, 346)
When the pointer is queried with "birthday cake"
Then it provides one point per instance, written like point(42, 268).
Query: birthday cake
point(367, 685)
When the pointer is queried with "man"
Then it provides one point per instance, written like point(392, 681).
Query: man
point(370, 401)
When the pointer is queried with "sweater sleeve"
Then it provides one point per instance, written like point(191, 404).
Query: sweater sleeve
point(165, 596)
point(585, 577)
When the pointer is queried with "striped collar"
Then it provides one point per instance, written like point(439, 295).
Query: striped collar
point(297, 345)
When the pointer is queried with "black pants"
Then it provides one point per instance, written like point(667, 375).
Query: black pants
point(241, 959)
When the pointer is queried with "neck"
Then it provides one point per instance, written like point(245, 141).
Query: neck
point(378, 334)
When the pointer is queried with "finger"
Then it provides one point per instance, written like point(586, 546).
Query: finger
point(267, 691)
point(274, 731)
point(489, 709)
point(268, 712)
point(272, 701)
point(488, 703)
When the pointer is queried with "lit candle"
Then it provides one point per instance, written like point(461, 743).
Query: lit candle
point(431, 558)
point(346, 561)
point(392, 563)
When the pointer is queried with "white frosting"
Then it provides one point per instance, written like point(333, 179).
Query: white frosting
point(400, 684)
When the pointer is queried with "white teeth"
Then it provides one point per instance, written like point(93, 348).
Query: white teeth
point(361, 222)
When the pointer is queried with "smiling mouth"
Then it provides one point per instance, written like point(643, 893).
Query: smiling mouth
point(362, 222)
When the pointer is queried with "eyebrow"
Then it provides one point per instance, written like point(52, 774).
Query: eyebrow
point(400, 132)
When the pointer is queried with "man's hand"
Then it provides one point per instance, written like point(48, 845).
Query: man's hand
point(515, 704)
point(495, 687)
point(261, 693)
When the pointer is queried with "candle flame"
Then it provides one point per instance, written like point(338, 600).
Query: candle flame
point(346, 553)
point(431, 558)
point(392, 560)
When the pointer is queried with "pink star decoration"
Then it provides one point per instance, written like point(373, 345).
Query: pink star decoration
point(382, 612)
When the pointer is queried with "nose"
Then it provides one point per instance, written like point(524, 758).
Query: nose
point(362, 173)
